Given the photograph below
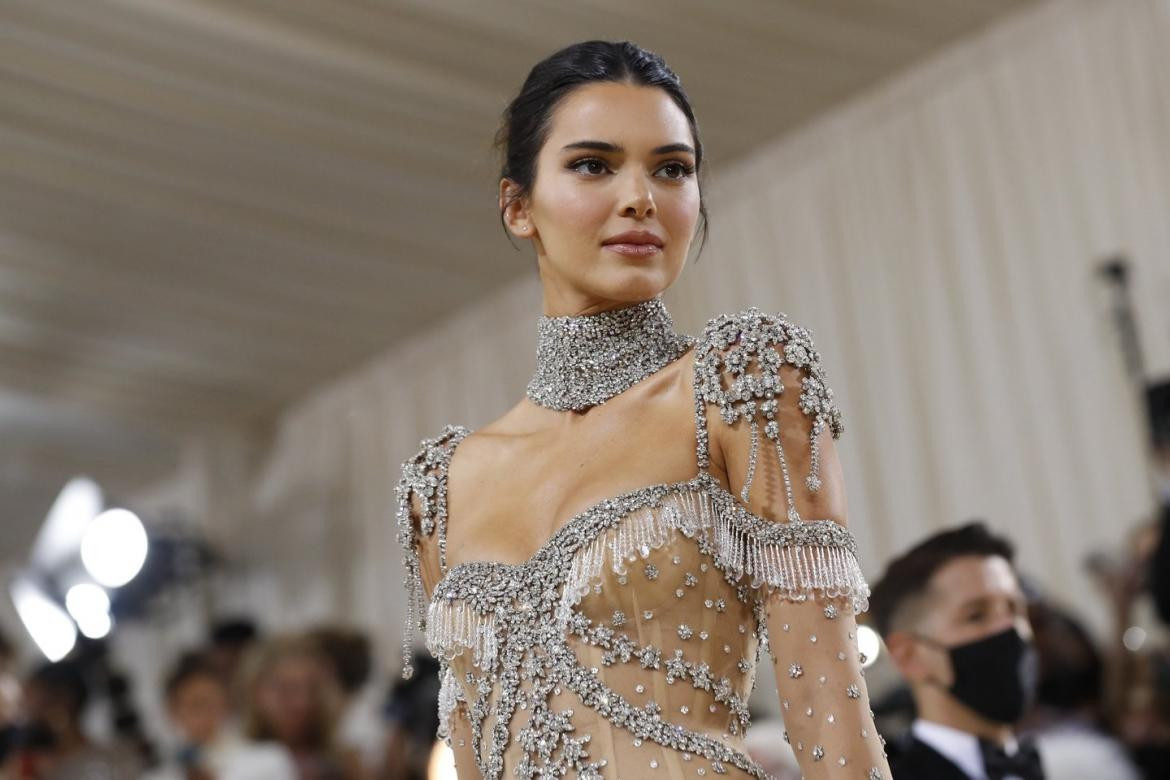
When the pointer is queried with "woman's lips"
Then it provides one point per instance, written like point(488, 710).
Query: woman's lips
point(634, 250)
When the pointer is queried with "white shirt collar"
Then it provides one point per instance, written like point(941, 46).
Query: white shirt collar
point(959, 747)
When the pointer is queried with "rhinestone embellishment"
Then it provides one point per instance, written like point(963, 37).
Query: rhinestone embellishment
point(584, 360)
point(508, 636)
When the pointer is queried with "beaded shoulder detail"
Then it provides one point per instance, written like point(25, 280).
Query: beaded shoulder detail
point(737, 368)
point(423, 478)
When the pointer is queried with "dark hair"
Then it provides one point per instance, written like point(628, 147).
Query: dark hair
point(528, 118)
point(908, 575)
point(189, 666)
point(63, 679)
point(410, 705)
point(349, 653)
point(1072, 670)
point(234, 631)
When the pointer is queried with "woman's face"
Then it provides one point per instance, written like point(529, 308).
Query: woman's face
point(289, 698)
point(618, 157)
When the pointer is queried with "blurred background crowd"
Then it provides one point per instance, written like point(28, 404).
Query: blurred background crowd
point(250, 255)
point(244, 704)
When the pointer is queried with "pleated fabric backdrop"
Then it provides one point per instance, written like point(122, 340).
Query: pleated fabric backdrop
point(940, 236)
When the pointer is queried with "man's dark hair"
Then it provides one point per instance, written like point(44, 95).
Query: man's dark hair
point(189, 666)
point(907, 576)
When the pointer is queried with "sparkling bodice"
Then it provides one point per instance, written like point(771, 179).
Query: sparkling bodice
point(628, 644)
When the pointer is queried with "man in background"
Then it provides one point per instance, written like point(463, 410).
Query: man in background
point(954, 620)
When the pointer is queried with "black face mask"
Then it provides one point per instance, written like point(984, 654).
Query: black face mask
point(995, 676)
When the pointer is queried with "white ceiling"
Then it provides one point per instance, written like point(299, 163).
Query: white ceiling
point(207, 207)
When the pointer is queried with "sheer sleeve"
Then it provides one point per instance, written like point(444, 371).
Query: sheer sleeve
point(422, 531)
point(774, 435)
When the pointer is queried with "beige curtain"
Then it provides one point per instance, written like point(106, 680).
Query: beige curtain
point(940, 237)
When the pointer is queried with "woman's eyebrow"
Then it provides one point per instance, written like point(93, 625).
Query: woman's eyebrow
point(605, 146)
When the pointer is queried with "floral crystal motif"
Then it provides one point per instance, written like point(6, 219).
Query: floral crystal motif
point(737, 368)
point(503, 611)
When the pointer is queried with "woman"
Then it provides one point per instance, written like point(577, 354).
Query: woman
point(599, 608)
point(292, 699)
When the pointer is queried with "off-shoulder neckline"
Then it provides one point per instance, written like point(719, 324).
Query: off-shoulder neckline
point(701, 480)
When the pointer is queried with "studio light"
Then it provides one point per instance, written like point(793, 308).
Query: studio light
point(90, 607)
point(49, 626)
point(114, 547)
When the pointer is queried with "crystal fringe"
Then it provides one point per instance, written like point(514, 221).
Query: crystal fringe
point(450, 694)
point(455, 626)
point(795, 571)
point(636, 535)
point(796, 561)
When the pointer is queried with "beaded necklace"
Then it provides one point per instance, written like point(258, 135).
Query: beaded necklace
point(584, 360)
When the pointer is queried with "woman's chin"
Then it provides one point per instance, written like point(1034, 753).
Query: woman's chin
point(636, 284)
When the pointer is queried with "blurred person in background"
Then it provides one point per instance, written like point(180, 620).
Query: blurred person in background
point(231, 638)
point(291, 696)
point(112, 715)
point(954, 619)
point(1142, 669)
point(1069, 719)
point(1158, 401)
point(412, 720)
point(1137, 703)
point(351, 658)
point(51, 743)
point(9, 698)
point(209, 746)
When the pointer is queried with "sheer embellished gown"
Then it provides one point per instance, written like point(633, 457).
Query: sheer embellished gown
point(628, 644)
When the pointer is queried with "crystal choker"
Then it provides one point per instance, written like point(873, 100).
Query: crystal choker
point(584, 360)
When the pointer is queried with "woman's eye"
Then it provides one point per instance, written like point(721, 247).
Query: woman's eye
point(596, 166)
point(587, 161)
point(683, 170)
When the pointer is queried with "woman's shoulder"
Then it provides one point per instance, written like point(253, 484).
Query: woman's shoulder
point(423, 477)
point(758, 346)
point(424, 474)
point(745, 358)
point(432, 450)
point(751, 327)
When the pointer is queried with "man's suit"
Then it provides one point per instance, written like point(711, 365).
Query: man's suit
point(913, 759)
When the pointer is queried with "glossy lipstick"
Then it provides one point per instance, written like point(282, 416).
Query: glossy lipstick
point(635, 243)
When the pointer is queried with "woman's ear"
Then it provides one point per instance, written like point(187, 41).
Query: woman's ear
point(513, 207)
